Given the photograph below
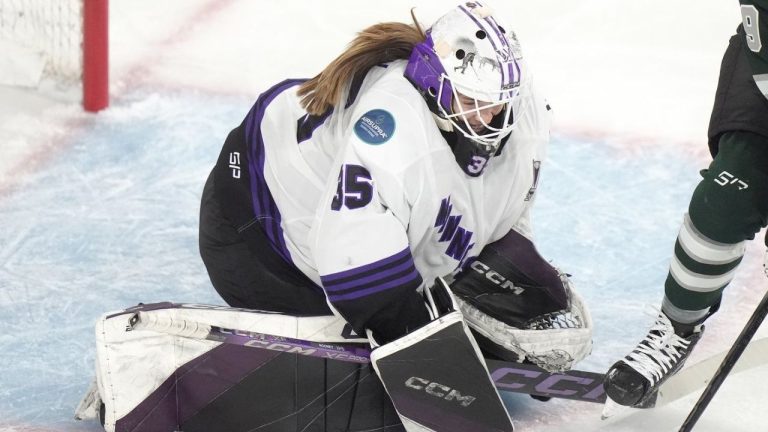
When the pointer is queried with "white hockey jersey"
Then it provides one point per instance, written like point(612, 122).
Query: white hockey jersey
point(371, 198)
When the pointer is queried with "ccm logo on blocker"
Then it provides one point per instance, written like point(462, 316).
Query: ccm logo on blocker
point(438, 390)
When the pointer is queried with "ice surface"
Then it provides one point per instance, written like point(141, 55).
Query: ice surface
point(100, 212)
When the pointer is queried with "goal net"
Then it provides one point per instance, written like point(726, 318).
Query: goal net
point(62, 40)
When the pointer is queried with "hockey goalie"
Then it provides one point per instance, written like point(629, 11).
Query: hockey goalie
point(330, 221)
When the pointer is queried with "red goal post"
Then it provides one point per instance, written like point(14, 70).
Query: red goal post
point(63, 40)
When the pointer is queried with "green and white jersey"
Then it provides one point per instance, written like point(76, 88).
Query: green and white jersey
point(754, 15)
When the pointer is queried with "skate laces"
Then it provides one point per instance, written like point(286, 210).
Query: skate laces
point(659, 352)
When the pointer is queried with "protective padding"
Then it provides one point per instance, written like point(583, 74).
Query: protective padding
point(438, 380)
point(554, 349)
point(132, 365)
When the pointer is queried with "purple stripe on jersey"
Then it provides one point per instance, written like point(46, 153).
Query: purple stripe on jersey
point(264, 206)
point(411, 279)
point(257, 190)
point(368, 280)
point(376, 265)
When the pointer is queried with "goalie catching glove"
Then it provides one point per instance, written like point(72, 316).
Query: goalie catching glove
point(521, 308)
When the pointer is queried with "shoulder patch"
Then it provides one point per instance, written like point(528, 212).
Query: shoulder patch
point(375, 127)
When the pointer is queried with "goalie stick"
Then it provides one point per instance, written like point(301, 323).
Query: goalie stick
point(507, 376)
point(198, 330)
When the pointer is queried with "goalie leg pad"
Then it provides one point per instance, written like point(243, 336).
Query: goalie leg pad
point(438, 381)
point(153, 380)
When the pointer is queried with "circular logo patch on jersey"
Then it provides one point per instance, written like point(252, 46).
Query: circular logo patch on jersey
point(375, 127)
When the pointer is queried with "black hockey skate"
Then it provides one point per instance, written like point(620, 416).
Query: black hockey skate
point(634, 380)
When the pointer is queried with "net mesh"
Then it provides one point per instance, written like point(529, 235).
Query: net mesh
point(51, 27)
point(564, 319)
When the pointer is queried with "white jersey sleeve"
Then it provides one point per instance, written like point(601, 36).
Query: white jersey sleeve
point(361, 247)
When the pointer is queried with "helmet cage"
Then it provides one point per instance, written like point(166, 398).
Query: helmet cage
point(494, 131)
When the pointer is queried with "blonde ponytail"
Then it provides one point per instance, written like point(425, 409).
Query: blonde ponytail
point(380, 43)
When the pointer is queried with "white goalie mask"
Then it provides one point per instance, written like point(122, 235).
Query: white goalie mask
point(470, 69)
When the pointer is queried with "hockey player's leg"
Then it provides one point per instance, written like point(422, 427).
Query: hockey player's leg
point(727, 208)
point(244, 269)
point(436, 375)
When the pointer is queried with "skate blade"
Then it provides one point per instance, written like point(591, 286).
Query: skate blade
point(611, 409)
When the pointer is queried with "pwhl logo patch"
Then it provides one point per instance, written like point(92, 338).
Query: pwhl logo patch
point(375, 127)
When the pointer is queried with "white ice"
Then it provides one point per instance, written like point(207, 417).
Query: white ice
point(99, 212)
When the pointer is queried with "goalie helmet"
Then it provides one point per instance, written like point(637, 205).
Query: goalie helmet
point(468, 67)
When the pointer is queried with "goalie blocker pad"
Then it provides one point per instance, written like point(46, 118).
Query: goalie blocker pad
point(438, 381)
point(521, 308)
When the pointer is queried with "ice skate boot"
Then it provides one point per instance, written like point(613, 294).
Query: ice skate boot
point(634, 380)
